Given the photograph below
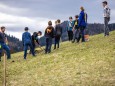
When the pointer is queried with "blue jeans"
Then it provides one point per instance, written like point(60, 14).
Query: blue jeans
point(6, 48)
point(48, 44)
point(26, 48)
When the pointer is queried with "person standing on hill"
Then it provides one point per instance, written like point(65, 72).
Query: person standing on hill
point(82, 23)
point(3, 43)
point(35, 39)
point(106, 16)
point(69, 28)
point(49, 35)
point(27, 42)
point(75, 29)
point(58, 33)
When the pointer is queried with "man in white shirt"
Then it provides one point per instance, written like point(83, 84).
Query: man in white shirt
point(106, 16)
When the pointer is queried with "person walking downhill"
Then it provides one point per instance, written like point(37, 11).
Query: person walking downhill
point(69, 28)
point(27, 42)
point(4, 43)
point(49, 35)
point(106, 16)
point(58, 33)
point(75, 29)
point(82, 23)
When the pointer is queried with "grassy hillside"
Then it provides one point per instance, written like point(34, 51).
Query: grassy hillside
point(85, 64)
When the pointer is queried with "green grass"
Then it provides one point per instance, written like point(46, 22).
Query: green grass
point(85, 64)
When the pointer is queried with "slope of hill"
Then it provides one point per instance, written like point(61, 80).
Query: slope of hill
point(85, 64)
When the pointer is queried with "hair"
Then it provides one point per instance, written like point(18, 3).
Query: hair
point(70, 17)
point(2, 27)
point(26, 28)
point(76, 16)
point(50, 23)
point(105, 2)
point(82, 8)
point(58, 21)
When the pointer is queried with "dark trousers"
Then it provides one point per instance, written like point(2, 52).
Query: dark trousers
point(70, 35)
point(81, 34)
point(76, 35)
point(6, 48)
point(57, 41)
point(26, 48)
point(48, 44)
point(106, 28)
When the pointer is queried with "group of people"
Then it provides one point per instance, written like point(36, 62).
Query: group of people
point(75, 31)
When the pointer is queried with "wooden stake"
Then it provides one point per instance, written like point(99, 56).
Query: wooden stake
point(4, 84)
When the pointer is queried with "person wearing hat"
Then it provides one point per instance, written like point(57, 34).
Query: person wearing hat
point(4, 43)
point(82, 23)
point(26, 39)
point(106, 16)
point(70, 26)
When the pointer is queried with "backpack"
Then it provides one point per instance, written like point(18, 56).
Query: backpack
point(85, 17)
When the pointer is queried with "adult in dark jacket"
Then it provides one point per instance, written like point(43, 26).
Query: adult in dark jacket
point(49, 35)
point(3, 43)
point(26, 39)
point(58, 33)
point(82, 24)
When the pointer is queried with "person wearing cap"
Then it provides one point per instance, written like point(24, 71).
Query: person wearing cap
point(4, 43)
point(49, 35)
point(82, 24)
point(70, 26)
point(106, 16)
point(26, 39)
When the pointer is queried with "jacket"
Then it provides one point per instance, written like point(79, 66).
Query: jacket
point(81, 20)
point(26, 38)
point(106, 11)
point(49, 32)
point(70, 25)
point(58, 30)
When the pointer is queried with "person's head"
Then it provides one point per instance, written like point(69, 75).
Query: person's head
point(3, 29)
point(26, 29)
point(76, 17)
point(70, 18)
point(39, 33)
point(58, 21)
point(50, 23)
point(82, 9)
point(55, 22)
point(104, 3)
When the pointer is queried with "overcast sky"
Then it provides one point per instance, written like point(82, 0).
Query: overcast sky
point(17, 14)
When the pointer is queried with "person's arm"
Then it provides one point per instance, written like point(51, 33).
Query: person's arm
point(6, 39)
point(45, 32)
point(80, 19)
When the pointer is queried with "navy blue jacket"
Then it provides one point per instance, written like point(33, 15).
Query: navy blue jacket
point(26, 38)
point(81, 21)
